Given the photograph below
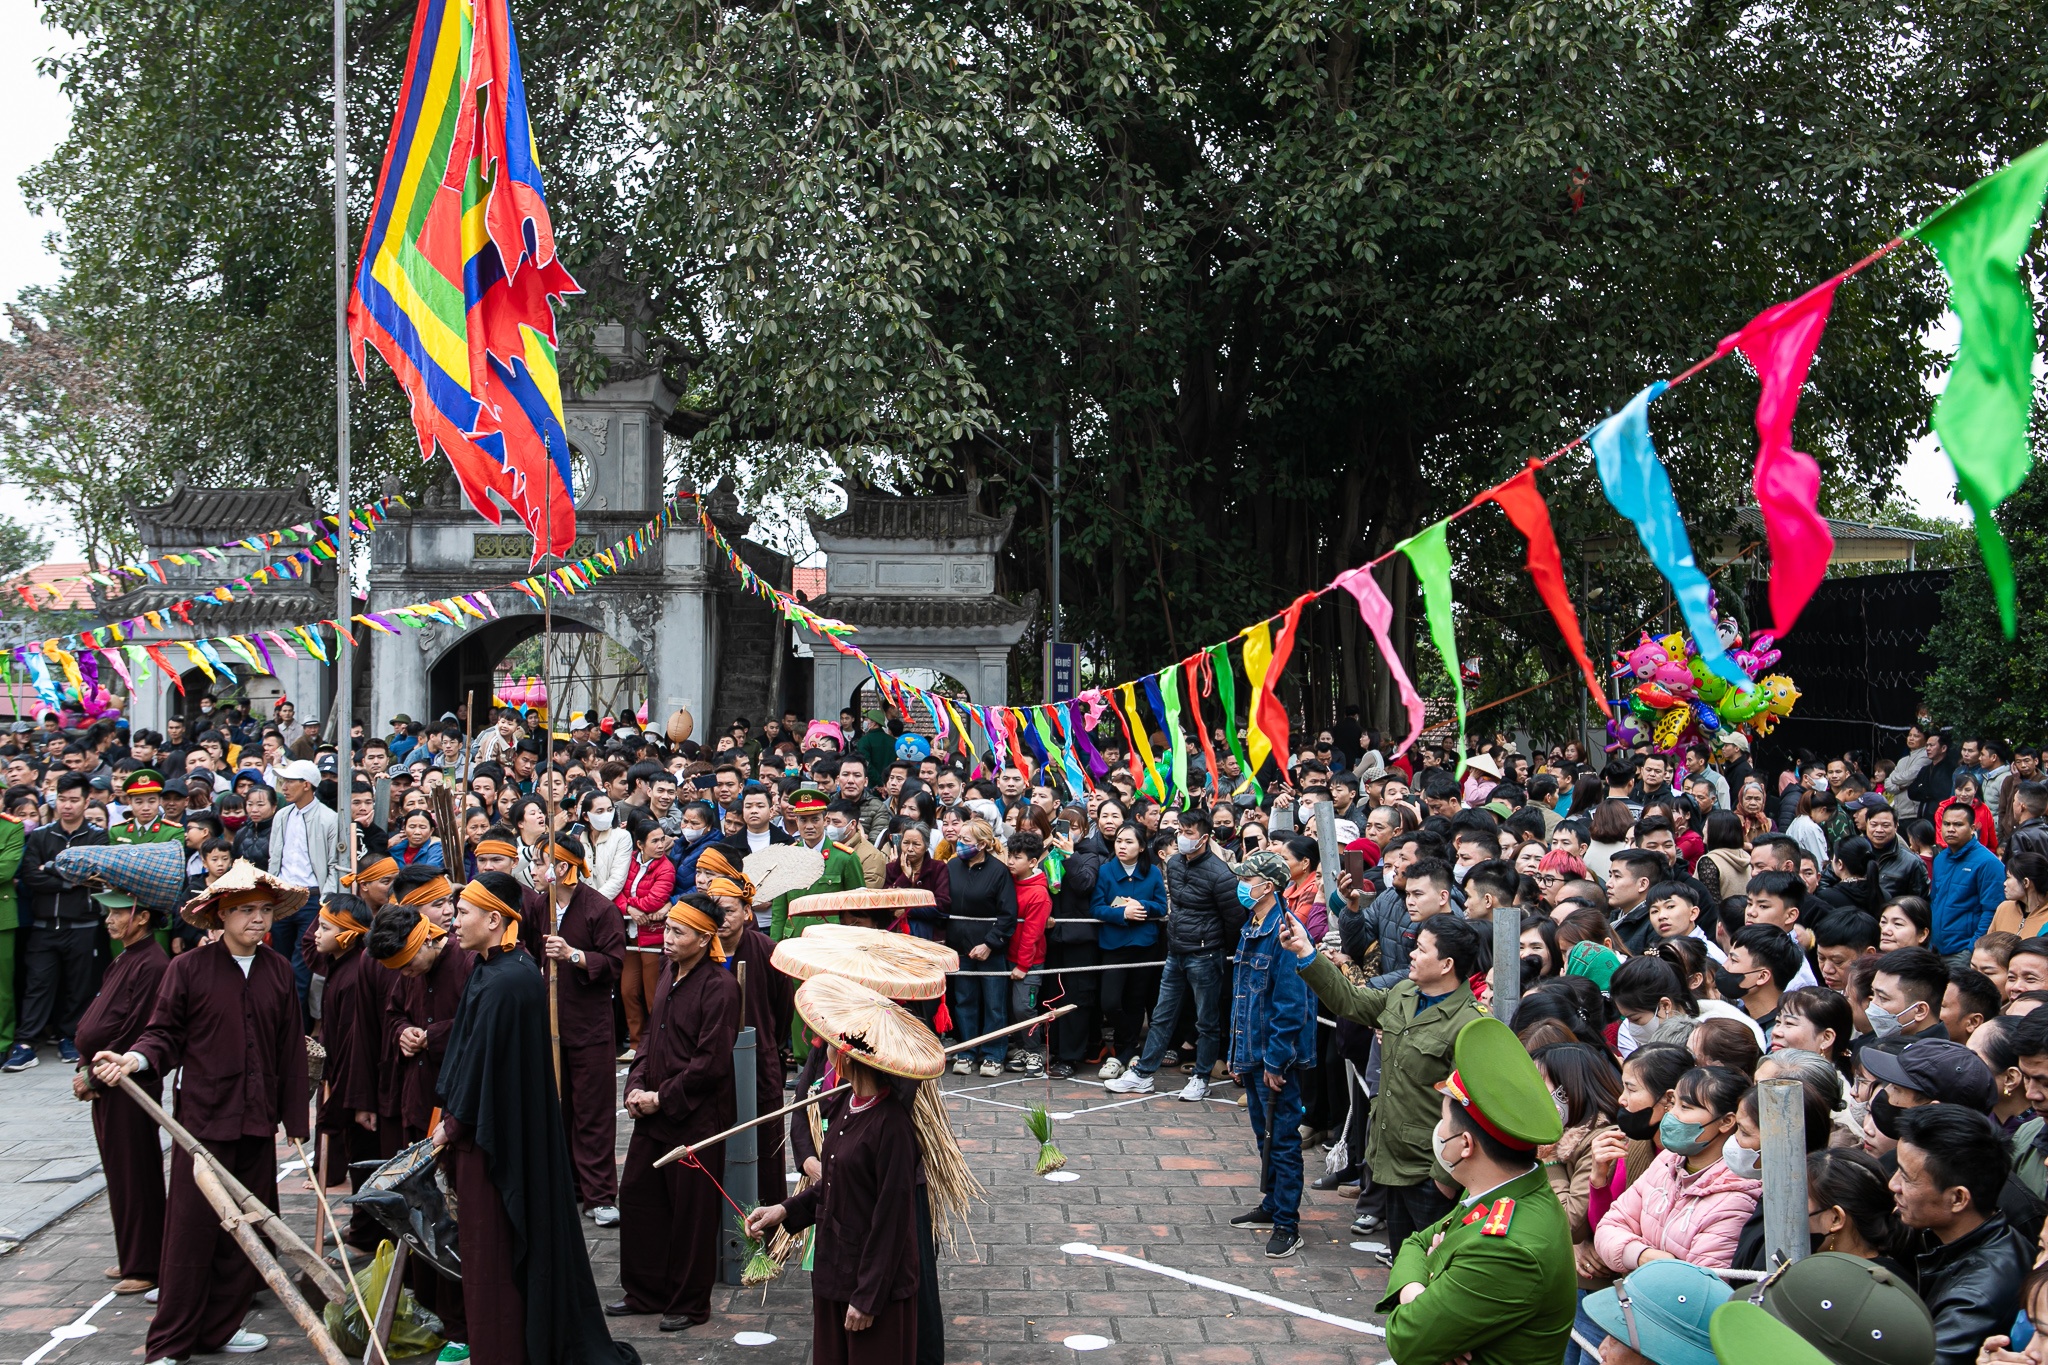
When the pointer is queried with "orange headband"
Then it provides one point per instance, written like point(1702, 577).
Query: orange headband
point(684, 913)
point(714, 861)
point(428, 892)
point(479, 895)
point(496, 848)
point(351, 928)
point(566, 853)
point(423, 931)
point(740, 888)
point(370, 872)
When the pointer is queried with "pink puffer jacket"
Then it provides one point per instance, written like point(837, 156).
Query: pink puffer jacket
point(1697, 1218)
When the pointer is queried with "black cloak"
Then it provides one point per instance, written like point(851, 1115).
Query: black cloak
point(497, 1081)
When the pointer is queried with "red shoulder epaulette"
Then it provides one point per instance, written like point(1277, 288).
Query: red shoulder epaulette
point(1477, 1212)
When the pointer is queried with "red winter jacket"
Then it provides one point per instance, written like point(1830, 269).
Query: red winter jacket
point(645, 892)
point(1034, 908)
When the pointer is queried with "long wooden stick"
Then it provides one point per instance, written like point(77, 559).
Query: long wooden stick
point(355, 1290)
point(237, 1225)
point(547, 769)
point(679, 1153)
point(275, 1228)
point(387, 1310)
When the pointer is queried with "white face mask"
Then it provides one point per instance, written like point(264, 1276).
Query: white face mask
point(601, 819)
point(835, 832)
point(1437, 1143)
point(1740, 1159)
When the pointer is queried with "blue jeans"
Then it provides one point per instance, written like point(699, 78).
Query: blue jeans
point(1276, 1127)
point(983, 1006)
point(1201, 975)
point(1584, 1326)
point(289, 936)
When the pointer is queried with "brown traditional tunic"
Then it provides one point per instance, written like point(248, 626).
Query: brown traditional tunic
point(865, 1209)
point(669, 1218)
point(131, 1152)
point(351, 1029)
point(770, 1001)
point(590, 1093)
point(424, 1002)
point(243, 1073)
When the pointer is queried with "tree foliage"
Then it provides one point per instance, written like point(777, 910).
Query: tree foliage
point(1981, 680)
point(68, 435)
point(1291, 278)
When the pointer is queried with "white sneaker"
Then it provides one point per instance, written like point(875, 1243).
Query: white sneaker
point(1130, 1083)
point(245, 1343)
point(991, 1069)
point(1111, 1069)
point(605, 1216)
point(1196, 1090)
point(150, 1297)
point(163, 1360)
point(962, 1066)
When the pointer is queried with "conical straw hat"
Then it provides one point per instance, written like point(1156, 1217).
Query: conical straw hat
point(242, 882)
point(874, 1029)
point(937, 955)
point(897, 965)
point(861, 902)
point(782, 867)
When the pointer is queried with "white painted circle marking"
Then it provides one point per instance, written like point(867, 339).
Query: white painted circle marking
point(753, 1338)
point(1085, 1341)
point(1061, 1177)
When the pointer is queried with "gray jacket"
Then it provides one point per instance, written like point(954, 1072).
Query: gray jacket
point(322, 843)
point(1387, 924)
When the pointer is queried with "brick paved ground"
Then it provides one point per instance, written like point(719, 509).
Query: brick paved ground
point(1158, 1181)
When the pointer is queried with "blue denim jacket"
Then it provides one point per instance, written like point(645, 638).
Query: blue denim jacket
point(1272, 1012)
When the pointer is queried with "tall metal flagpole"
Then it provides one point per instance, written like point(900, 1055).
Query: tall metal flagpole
point(344, 652)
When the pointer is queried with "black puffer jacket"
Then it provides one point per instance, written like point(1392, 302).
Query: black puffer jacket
point(1203, 909)
point(1073, 915)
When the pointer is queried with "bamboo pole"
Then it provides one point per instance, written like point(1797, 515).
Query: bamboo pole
point(387, 1310)
point(348, 1267)
point(547, 763)
point(679, 1153)
point(237, 1225)
point(274, 1227)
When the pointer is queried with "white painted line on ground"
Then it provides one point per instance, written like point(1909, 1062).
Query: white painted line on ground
point(1300, 1310)
point(70, 1331)
point(992, 1085)
point(983, 1099)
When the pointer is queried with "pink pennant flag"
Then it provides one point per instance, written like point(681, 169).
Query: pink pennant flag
point(1378, 614)
point(1780, 342)
point(114, 657)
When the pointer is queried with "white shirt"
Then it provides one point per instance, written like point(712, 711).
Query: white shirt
point(245, 963)
point(757, 842)
point(295, 860)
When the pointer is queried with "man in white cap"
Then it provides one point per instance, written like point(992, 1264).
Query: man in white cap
point(303, 841)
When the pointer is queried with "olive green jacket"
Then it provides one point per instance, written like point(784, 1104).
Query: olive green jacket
point(1415, 1053)
point(842, 873)
point(12, 838)
point(1500, 1282)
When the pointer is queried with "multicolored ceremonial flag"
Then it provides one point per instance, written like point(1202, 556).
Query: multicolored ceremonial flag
point(458, 275)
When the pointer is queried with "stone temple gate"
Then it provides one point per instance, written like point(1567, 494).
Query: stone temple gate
point(705, 643)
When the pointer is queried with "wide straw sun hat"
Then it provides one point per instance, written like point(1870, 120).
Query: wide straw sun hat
point(869, 1026)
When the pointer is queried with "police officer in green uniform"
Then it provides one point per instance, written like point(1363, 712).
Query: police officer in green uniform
point(1492, 1282)
point(842, 865)
point(144, 795)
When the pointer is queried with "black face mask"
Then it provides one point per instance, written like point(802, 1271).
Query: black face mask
point(1636, 1124)
point(1885, 1115)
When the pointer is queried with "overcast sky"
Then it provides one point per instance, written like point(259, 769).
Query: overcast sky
point(35, 115)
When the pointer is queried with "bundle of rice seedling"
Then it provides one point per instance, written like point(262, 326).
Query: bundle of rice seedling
point(1050, 1158)
point(952, 1187)
point(761, 1267)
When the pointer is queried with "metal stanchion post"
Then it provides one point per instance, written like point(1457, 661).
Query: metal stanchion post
point(742, 1159)
point(1507, 963)
point(1781, 1115)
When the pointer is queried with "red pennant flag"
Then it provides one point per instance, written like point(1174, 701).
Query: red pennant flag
point(1519, 498)
point(1192, 668)
point(1780, 342)
point(1267, 711)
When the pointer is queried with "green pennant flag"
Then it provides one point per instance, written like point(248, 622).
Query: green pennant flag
point(1169, 703)
point(1430, 553)
point(1984, 412)
point(1226, 695)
